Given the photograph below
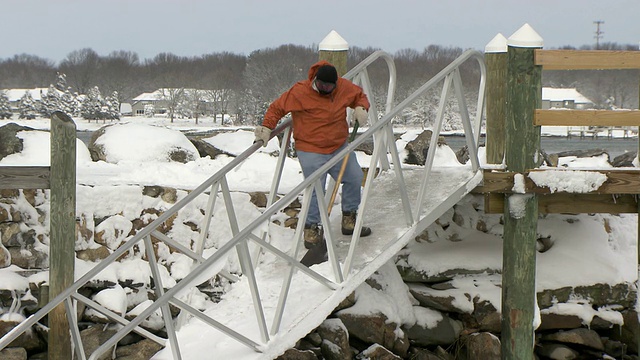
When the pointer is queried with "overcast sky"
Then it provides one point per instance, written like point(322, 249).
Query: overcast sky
point(53, 28)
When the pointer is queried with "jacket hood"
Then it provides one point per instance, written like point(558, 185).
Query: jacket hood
point(314, 68)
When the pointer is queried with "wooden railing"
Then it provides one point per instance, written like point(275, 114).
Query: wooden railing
point(60, 178)
point(25, 177)
point(623, 199)
point(513, 144)
point(587, 60)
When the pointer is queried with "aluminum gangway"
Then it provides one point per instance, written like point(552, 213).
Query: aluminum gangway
point(399, 203)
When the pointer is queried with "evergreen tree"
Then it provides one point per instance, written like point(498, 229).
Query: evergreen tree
point(5, 107)
point(149, 110)
point(27, 108)
point(92, 105)
point(112, 107)
point(61, 82)
point(96, 107)
point(69, 103)
point(50, 102)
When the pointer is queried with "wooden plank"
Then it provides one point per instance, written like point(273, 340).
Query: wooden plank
point(24, 177)
point(563, 203)
point(496, 100)
point(337, 58)
point(587, 117)
point(62, 229)
point(522, 148)
point(494, 203)
point(618, 182)
point(638, 258)
point(587, 59)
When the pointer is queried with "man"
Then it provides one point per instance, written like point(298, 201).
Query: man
point(320, 130)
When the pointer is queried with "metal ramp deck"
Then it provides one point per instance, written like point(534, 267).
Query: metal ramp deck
point(260, 316)
point(390, 235)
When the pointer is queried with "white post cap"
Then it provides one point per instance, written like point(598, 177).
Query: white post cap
point(333, 42)
point(497, 45)
point(525, 37)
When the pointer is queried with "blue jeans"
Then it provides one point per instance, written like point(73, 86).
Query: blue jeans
point(351, 180)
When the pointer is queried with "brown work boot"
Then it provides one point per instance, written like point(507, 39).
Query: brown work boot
point(313, 235)
point(349, 224)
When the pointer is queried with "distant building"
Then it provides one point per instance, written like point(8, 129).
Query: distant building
point(564, 98)
point(158, 101)
point(15, 95)
point(141, 102)
point(125, 109)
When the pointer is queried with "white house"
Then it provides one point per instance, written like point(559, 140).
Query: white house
point(160, 100)
point(126, 109)
point(15, 95)
point(568, 98)
point(153, 98)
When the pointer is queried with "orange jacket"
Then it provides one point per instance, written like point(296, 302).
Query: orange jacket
point(319, 121)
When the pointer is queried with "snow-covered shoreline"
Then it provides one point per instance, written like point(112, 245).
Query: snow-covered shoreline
point(112, 196)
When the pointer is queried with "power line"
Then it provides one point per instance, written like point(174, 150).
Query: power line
point(598, 33)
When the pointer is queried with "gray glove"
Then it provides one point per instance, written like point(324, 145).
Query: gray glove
point(262, 134)
point(361, 115)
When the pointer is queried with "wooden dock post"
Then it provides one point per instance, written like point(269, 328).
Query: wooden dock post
point(62, 228)
point(496, 98)
point(521, 210)
point(333, 48)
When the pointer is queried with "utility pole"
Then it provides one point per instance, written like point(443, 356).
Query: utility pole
point(598, 33)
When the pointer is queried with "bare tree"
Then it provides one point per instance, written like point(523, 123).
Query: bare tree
point(271, 71)
point(26, 71)
point(245, 85)
point(121, 72)
point(167, 70)
point(194, 102)
point(220, 101)
point(172, 97)
point(221, 75)
point(82, 68)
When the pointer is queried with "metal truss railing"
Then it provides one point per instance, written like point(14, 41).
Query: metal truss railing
point(382, 133)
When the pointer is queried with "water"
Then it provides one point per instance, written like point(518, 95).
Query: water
point(555, 144)
point(85, 136)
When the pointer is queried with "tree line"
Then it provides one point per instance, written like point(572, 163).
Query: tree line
point(249, 83)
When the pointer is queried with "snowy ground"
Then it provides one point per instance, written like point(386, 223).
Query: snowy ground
point(584, 254)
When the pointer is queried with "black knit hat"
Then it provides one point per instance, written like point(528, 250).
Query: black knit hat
point(327, 73)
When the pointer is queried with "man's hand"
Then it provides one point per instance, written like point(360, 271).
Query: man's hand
point(262, 134)
point(361, 115)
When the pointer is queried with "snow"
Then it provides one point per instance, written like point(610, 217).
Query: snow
point(16, 94)
point(34, 142)
point(596, 162)
point(585, 312)
point(569, 180)
point(114, 299)
point(392, 299)
point(497, 45)
point(518, 184)
point(11, 280)
point(139, 143)
point(115, 229)
point(526, 37)
point(584, 254)
point(333, 42)
point(154, 321)
point(562, 94)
